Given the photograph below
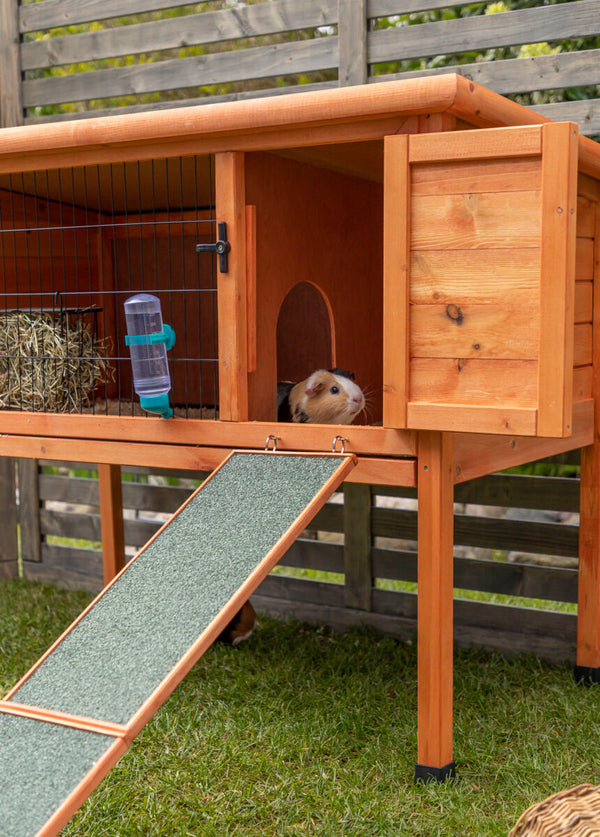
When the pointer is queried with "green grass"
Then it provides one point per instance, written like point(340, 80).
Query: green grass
point(305, 732)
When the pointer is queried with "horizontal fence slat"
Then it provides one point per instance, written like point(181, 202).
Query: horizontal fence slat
point(387, 8)
point(77, 490)
point(525, 492)
point(180, 32)
point(504, 628)
point(67, 567)
point(202, 100)
point(508, 490)
point(52, 14)
point(542, 23)
point(489, 533)
point(82, 491)
point(314, 555)
point(520, 75)
point(177, 73)
point(585, 112)
point(529, 581)
point(73, 559)
point(86, 527)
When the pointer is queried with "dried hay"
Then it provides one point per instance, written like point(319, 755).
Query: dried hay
point(49, 362)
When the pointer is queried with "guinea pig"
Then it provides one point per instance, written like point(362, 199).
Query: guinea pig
point(328, 396)
point(240, 627)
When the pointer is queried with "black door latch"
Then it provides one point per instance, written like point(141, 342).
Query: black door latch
point(220, 247)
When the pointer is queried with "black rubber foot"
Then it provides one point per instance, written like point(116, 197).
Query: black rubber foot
point(586, 676)
point(426, 774)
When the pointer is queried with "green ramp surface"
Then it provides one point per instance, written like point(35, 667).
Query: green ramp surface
point(122, 658)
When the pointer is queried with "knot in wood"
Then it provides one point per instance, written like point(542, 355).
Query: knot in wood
point(454, 313)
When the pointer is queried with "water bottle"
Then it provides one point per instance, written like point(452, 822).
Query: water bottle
point(148, 340)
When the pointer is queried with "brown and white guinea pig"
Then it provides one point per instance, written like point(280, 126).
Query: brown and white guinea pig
point(328, 396)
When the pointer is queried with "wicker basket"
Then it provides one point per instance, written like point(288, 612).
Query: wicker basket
point(569, 813)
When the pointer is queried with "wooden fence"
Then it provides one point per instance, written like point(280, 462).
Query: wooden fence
point(154, 59)
point(365, 537)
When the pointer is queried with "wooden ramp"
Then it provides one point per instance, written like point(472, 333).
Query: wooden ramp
point(69, 720)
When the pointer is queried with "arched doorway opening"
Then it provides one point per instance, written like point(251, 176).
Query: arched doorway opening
point(305, 333)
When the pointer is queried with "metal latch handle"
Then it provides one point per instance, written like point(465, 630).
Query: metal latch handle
point(220, 247)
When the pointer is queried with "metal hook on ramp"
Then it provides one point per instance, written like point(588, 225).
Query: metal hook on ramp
point(335, 441)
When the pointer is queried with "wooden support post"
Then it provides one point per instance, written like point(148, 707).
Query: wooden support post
point(111, 520)
point(587, 667)
point(435, 490)
point(588, 612)
point(352, 40)
point(358, 569)
point(9, 547)
point(232, 288)
point(11, 93)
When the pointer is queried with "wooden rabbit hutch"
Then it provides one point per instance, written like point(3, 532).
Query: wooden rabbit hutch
point(435, 238)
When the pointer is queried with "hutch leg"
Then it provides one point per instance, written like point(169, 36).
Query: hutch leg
point(587, 668)
point(111, 520)
point(435, 486)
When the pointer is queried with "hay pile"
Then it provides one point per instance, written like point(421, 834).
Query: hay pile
point(49, 362)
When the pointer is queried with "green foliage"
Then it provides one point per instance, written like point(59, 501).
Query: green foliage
point(525, 51)
point(140, 59)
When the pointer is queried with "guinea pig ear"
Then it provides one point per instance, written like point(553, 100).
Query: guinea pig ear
point(313, 385)
point(314, 388)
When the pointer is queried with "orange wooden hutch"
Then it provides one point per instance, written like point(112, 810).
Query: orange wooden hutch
point(436, 238)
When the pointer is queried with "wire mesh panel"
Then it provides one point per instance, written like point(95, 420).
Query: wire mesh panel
point(74, 245)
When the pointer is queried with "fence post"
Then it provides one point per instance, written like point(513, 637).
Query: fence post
point(352, 42)
point(9, 547)
point(11, 93)
point(358, 569)
point(29, 512)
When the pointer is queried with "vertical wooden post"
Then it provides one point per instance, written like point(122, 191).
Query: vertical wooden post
point(9, 547)
point(435, 490)
point(587, 667)
point(111, 520)
point(358, 569)
point(11, 98)
point(396, 275)
point(29, 513)
point(232, 290)
point(352, 41)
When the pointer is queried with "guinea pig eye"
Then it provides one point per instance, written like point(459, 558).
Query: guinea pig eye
point(334, 390)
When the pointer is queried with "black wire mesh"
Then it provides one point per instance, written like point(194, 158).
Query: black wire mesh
point(75, 243)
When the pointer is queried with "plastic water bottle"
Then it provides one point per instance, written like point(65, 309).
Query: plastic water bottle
point(148, 340)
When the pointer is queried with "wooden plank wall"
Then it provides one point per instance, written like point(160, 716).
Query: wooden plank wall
point(263, 49)
point(380, 550)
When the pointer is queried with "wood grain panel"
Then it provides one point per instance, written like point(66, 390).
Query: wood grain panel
point(442, 276)
point(582, 348)
point(460, 177)
point(472, 221)
point(584, 259)
point(584, 294)
point(488, 143)
point(586, 215)
point(559, 200)
point(474, 381)
point(474, 331)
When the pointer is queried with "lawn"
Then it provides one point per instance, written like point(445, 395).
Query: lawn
point(304, 732)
